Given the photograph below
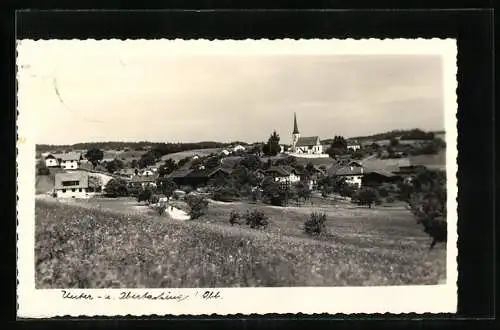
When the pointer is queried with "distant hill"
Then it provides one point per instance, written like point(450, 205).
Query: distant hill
point(404, 134)
point(115, 145)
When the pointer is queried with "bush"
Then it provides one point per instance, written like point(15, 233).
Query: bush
point(144, 196)
point(316, 224)
point(197, 206)
point(366, 196)
point(256, 219)
point(389, 199)
point(234, 218)
point(116, 188)
point(154, 199)
point(225, 194)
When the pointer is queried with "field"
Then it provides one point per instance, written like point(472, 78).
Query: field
point(189, 153)
point(116, 243)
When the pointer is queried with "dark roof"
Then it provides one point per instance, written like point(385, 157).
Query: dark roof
point(81, 177)
point(382, 173)
point(180, 173)
point(283, 170)
point(349, 170)
point(307, 141)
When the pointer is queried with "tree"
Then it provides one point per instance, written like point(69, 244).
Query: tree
point(146, 160)
point(145, 195)
point(212, 162)
point(273, 193)
point(42, 168)
point(168, 167)
point(366, 196)
point(251, 162)
point(116, 188)
point(273, 145)
point(256, 219)
point(95, 183)
point(94, 156)
point(197, 206)
point(302, 191)
point(316, 224)
point(134, 163)
point(339, 142)
point(183, 161)
point(166, 186)
point(114, 165)
point(394, 142)
point(428, 203)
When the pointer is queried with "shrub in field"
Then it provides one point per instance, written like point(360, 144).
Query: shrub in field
point(366, 196)
point(316, 224)
point(145, 195)
point(197, 206)
point(234, 218)
point(256, 219)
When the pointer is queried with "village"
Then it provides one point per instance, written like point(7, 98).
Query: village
point(371, 172)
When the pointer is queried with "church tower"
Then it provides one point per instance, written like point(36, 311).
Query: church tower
point(295, 133)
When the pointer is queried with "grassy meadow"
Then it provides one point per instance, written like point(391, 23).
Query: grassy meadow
point(89, 245)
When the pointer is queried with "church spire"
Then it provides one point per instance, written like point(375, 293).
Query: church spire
point(295, 127)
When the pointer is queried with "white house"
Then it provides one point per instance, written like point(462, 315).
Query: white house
point(143, 181)
point(225, 152)
point(285, 175)
point(70, 161)
point(71, 185)
point(353, 145)
point(52, 160)
point(353, 173)
point(238, 147)
point(147, 172)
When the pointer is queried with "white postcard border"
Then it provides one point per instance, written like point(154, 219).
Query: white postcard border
point(33, 303)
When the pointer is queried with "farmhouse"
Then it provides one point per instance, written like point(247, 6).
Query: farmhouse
point(70, 161)
point(285, 175)
point(353, 145)
point(71, 185)
point(305, 145)
point(353, 173)
point(143, 181)
point(52, 160)
point(197, 177)
point(238, 147)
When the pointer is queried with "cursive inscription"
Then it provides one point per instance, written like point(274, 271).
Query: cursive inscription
point(149, 296)
point(81, 296)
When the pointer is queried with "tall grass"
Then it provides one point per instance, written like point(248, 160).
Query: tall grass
point(83, 248)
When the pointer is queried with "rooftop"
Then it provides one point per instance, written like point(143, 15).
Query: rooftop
point(80, 178)
point(307, 141)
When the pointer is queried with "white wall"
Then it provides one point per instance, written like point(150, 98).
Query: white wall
point(69, 164)
point(68, 193)
point(354, 179)
point(51, 162)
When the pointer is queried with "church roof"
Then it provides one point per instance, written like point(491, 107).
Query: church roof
point(307, 141)
point(295, 127)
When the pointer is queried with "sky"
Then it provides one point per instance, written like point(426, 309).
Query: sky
point(77, 93)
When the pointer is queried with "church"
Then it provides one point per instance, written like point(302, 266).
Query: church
point(310, 145)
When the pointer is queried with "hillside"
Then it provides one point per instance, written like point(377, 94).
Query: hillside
point(102, 249)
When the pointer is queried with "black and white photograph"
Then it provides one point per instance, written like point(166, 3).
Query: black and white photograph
point(157, 170)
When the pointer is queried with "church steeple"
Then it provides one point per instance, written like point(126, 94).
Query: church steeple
point(295, 127)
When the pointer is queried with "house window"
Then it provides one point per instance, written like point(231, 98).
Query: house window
point(73, 190)
point(70, 183)
point(80, 190)
point(64, 190)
